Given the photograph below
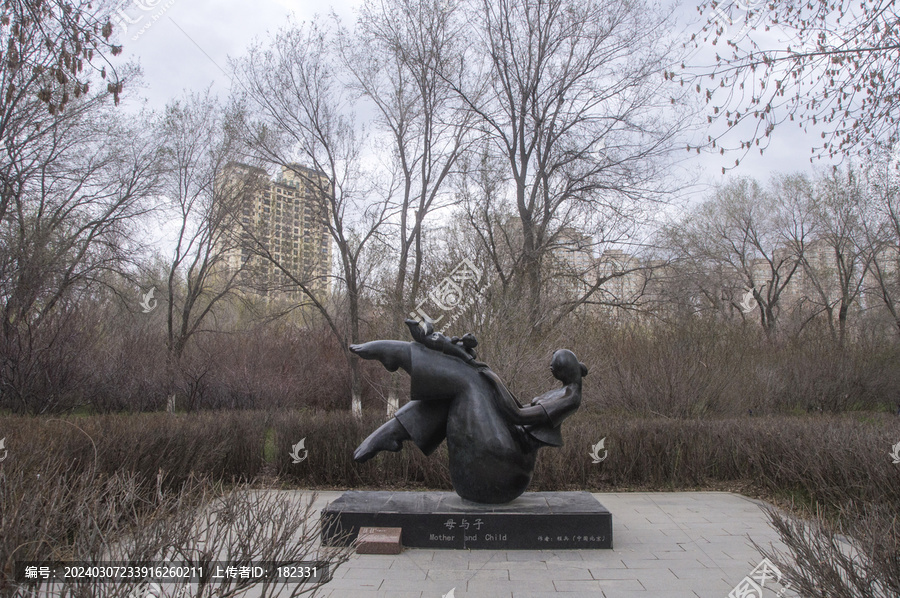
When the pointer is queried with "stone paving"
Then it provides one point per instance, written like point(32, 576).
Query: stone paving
point(666, 544)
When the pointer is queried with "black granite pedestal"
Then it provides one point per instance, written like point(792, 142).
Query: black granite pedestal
point(535, 520)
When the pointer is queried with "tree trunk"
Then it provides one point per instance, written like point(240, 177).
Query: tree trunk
point(393, 401)
point(355, 389)
point(171, 376)
point(842, 323)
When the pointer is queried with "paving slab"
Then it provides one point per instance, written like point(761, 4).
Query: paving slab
point(668, 544)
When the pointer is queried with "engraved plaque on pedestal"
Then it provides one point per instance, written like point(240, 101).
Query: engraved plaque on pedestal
point(535, 520)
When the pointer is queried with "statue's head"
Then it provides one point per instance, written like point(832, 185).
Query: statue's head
point(435, 340)
point(470, 342)
point(566, 368)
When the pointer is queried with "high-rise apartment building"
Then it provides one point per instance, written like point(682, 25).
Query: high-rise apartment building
point(573, 251)
point(288, 218)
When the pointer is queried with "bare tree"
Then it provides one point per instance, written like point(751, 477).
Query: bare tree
point(204, 204)
point(71, 176)
point(406, 44)
point(78, 189)
point(569, 96)
point(882, 230)
point(395, 57)
point(302, 107)
point(838, 72)
point(753, 238)
point(699, 283)
point(45, 49)
point(835, 264)
point(47, 46)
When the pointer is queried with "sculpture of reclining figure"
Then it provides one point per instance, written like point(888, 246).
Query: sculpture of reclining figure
point(492, 439)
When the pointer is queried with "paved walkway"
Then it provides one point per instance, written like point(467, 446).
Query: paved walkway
point(666, 544)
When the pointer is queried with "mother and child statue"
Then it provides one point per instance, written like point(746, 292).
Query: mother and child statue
point(492, 440)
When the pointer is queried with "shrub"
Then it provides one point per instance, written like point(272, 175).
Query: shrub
point(858, 556)
point(59, 515)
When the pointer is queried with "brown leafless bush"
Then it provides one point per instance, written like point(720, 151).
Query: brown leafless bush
point(826, 459)
point(708, 368)
point(252, 526)
point(42, 367)
point(835, 463)
point(688, 367)
point(858, 556)
point(676, 372)
point(128, 368)
point(52, 514)
point(222, 446)
point(280, 367)
point(266, 366)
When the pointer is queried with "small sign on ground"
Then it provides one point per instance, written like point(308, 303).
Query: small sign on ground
point(379, 540)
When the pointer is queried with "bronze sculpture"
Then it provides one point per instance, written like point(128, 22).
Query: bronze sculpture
point(492, 439)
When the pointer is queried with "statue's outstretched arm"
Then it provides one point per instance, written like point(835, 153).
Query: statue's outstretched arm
point(535, 414)
point(510, 407)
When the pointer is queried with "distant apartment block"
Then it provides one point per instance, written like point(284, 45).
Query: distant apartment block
point(572, 266)
point(287, 217)
point(637, 285)
point(624, 288)
point(570, 253)
point(574, 251)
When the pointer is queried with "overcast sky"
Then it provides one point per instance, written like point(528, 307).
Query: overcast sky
point(185, 44)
